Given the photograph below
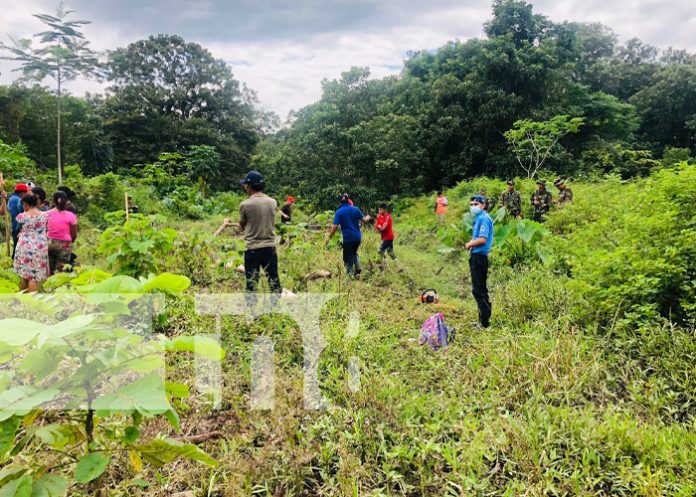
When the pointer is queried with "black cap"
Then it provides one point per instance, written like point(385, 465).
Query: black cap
point(252, 178)
point(559, 181)
point(541, 182)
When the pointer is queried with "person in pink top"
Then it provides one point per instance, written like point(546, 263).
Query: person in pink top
point(62, 233)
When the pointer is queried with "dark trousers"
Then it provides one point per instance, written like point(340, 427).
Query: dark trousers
point(478, 263)
point(388, 247)
point(254, 261)
point(350, 257)
point(15, 239)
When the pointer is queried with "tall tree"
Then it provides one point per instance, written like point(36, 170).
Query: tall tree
point(63, 54)
point(168, 95)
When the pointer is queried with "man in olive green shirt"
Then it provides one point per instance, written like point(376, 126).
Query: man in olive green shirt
point(257, 220)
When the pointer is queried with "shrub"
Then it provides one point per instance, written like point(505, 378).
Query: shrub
point(632, 250)
point(139, 246)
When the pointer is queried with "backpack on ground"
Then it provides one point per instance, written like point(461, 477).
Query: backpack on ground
point(436, 333)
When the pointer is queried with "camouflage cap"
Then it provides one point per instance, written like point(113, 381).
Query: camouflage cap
point(559, 181)
point(511, 182)
point(541, 182)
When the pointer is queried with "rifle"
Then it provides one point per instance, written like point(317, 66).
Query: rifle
point(7, 215)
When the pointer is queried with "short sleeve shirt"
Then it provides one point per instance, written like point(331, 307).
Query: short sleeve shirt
point(258, 214)
point(59, 223)
point(348, 218)
point(483, 227)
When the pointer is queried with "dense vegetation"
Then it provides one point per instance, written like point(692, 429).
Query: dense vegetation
point(583, 385)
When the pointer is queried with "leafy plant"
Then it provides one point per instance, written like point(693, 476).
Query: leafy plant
point(139, 246)
point(98, 359)
point(533, 142)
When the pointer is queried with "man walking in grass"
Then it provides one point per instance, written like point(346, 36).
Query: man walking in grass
point(257, 221)
point(479, 247)
point(348, 217)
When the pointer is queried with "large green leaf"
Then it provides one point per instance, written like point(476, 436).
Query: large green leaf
point(146, 395)
point(50, 486)
point(9, 473)
point(526, 230)
point(8, 430)
point(59, 435)
point(502, 232)
point(167, 282)
point(8, 287)
point(162, 451)
point(21, 400)
point(91, 467)
point(118, 284)
point(17, 332)
point(42, 362)
point(21, 487)
point(202, 345)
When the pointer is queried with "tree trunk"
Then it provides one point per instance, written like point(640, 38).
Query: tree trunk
point(58, 155)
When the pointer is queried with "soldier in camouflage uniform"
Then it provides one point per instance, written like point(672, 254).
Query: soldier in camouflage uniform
point(565, 194)
point(541, 200)
point(512, 201)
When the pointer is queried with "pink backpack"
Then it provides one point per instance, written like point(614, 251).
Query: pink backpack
point(435, 332)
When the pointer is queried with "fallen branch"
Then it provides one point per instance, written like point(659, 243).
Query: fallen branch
point(204, 437)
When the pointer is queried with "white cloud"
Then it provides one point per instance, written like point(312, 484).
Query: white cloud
point(293, 45)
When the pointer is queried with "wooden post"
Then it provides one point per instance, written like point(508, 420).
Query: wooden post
point(127, 207)
point(7, 218)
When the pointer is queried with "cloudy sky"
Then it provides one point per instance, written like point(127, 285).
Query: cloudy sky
point(284, 48)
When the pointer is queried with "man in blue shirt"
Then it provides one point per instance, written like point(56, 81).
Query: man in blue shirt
point(479, 247)
point(14, 207)
point(348, 218)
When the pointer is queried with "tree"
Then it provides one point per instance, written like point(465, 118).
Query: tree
point(533, 142)
point(515, 19)
point(667, 106)
point(63, 54)
point(28, 115)
point(168, 95)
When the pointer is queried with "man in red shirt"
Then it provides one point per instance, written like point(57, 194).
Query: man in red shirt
point(384, 226)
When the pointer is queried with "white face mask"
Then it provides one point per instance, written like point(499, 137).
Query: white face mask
point(475, 209)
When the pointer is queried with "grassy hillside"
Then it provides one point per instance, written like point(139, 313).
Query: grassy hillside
point(583, 385)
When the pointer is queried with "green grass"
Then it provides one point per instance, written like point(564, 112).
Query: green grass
point(539, 404)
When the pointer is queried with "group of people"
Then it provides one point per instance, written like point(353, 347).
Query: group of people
point(541, 200)
point(42, 235)
point(257, 222)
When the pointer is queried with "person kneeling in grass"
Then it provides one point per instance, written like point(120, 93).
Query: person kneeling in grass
point(386, 231)
point(348, 218)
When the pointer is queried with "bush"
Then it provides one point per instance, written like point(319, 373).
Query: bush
point(633, 252)
point(139, 246)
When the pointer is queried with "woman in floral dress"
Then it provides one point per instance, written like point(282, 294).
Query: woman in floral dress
point(31, 257)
